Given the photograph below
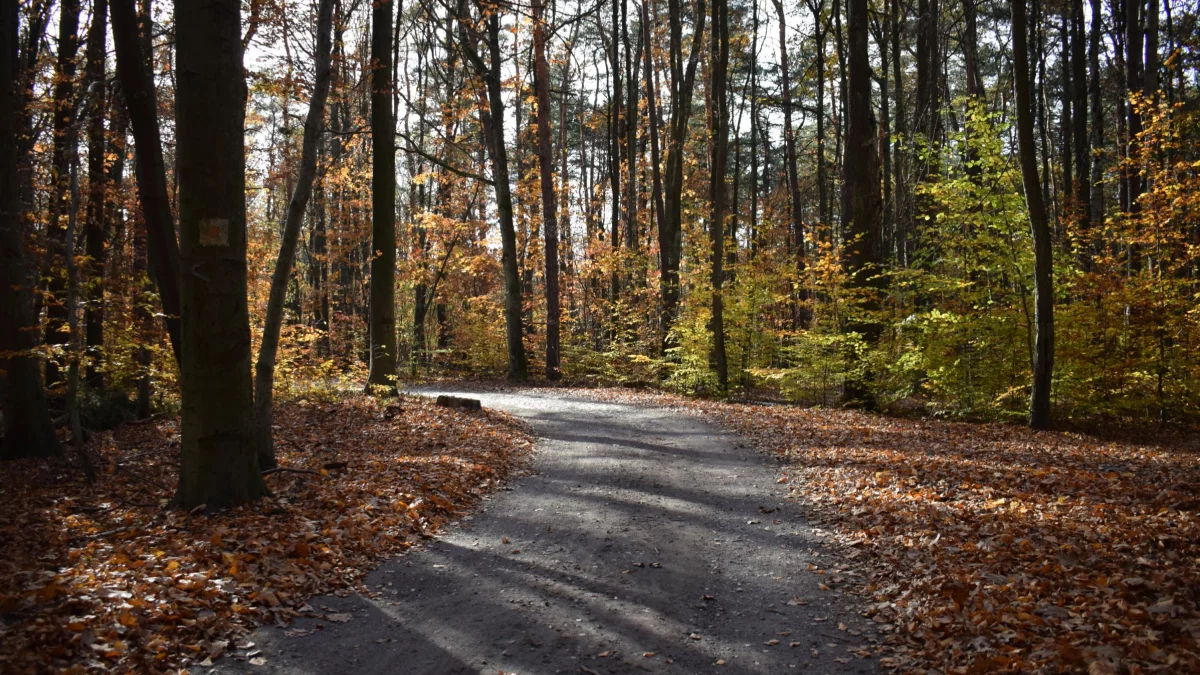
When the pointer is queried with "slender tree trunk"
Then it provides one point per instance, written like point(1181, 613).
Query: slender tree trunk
point(803, 313)
point(219, 465)
point(383, 202)
point(1083, 183)
point(1096, 213)
point(1043, 359)
point(492, 121)
point(670, 235)
point(862, 204)
point(137, 88)
point(549, 205)
point(96, 232)
point(28, 431)
point(718, 190)
point(314, 124)
point(899, 184)
point(58, 246)
point(754, 134)
point(652, 108)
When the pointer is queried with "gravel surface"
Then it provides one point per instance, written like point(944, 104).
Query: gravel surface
point(646, 541)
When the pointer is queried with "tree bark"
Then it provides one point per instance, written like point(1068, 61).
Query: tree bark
point(96, 232)
point(137, 88)
point(670, 233)
point(718, 190)
point(59, 247)
point(219, 465)
point(1043, 358)
point(28, 431)
point(314, 124)
point(656, 194)
point(803, 313)
point(549, 205)
point(492, 120)
point(862, 204)
point(383, 202)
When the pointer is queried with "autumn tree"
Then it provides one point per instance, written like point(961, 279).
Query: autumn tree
point(862, 203)
point(219, 465)
point(28, 431)
point(1043, 355)
point(383, 202)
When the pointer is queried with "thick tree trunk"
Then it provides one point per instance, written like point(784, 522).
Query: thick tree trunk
point(383, 202)
point(549, 205)
point(862, 203)
point(59, 247)
point(314, 124)
point(96, 232)
point(718, 190)
point(137, 88)
point(1043, 358)
point(28, 431)
point(670, 233)
point(219, 464)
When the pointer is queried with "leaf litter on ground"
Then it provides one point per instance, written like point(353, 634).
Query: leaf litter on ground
point(989, 547)
point(106, 577)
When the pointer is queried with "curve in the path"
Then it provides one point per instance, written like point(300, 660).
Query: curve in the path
point(646, 541)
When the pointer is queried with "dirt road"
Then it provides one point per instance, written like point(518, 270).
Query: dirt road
point(647, 541)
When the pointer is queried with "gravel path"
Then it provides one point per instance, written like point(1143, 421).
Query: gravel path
point(647, 541)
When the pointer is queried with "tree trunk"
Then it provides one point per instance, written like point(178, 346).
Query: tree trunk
point(314, 124)
point(803, 313)
point(652, 110)
point(670, 233)
point(862, 203)
point(137, 88)
point(58, 246)
point(219, 465)
point(28, 431)
point(1083, 183)
point(96, 232)
point(383, 203)
point(492, 119)
point(1096, 211)
point(718, 190)
point(549, 206)
point(1043, 358)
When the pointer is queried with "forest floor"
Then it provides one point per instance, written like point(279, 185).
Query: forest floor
point(105, 577)
point(657, 534)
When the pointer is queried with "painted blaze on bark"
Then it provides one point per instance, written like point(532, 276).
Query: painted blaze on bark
point(220, 466)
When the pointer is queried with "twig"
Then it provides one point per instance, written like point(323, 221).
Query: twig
point(278, 469)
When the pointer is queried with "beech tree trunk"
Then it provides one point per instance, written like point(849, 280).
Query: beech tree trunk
point(28, 431)
point(549, 205)
point(383, 202)
point(492, 119)
point(96, 230)
point(314, 125)
point(137, 88)
point(718, 190)
point(803, 313)
point(862, 203)
point(59, 246)
point(1043, 356)
point(219, 465)
point(670, 232)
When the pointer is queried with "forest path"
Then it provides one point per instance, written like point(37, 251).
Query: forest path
point(642, 530)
